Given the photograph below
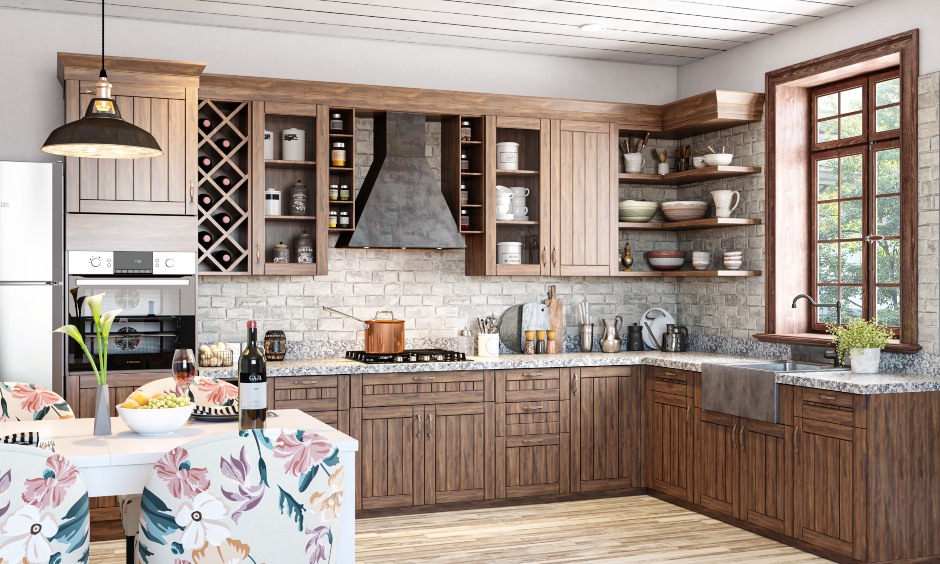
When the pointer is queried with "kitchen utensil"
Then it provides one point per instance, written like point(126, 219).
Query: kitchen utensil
point(382, 336)
point(510, 327)
point(635, 337)
point(587, 337)
point(534, 316)
point(675, 339)
point(610, 340)
point(665, 260)
point(655, 320)
point(556, 317)
point(723, 199)
point(684, 210)
point(718, 159)
point(633, 162)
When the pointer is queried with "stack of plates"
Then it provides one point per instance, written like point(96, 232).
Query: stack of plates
point(684, 210)
point(637, 211)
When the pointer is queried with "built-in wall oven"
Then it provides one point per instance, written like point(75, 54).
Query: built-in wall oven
point(156, 293)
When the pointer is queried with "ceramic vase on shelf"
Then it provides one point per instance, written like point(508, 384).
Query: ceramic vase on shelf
point(102, 411)
point(865, 361)
point(662, 168)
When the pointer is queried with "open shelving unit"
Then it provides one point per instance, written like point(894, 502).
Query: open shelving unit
point(345, 174)
point(689, 176)
point(453, 145)
point(705, 223)
point(688, 273)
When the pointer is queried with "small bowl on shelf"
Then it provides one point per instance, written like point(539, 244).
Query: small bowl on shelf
point(155, 421)
point(684, 210)
point(718, 159)
point(637, 211)
point(665, 260)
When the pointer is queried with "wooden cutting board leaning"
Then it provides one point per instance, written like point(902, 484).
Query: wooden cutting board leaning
point(556, 318)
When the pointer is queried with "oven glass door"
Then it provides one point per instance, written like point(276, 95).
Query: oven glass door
point(157, 316)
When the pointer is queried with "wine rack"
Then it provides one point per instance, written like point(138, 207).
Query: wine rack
point(223, 186)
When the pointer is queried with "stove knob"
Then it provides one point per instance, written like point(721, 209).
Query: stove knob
point(412, 358)
point(399, 359)
point(95, 262)
point(169, 263)
point(439, 357)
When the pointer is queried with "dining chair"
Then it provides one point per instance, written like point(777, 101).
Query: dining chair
point(21, 401)
point(204, 391)
point(43, 507)
point(271, 495)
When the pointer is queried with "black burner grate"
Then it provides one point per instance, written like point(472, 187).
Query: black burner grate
point(415, 356)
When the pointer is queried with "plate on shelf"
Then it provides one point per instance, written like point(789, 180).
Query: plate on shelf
point(657, 319)
point(509, 327)
point(504, 217)
point(520, 218)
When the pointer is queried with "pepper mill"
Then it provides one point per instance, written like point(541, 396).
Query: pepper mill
point(627, 259)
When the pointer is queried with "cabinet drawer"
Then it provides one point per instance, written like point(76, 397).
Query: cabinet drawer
point(670, 381)
point(823, 405)
point(537, 384)
point(421, 388)
point(531, 418)
point(311, 393)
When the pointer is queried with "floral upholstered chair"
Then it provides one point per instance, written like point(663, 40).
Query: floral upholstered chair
point(43, 507)
point(20, 401)
point(252, 496)
point(203, 392)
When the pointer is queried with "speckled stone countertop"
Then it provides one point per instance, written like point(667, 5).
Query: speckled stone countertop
point(839, 381)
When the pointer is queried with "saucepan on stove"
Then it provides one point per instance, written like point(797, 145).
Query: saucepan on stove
point(383, 336)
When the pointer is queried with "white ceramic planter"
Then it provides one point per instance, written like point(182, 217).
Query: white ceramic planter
point(865, 361)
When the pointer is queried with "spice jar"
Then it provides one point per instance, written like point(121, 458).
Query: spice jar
point(298, 199)
point(272, 201)
point(464, 195)
point(464, 162)
point(344, 193)
point(540, 341)
point(338, 154)
point(529, 342)
point(281, 253)
point(334, 192)
point(344, 219)
point(551, 347)
point(336, 122)
point(466, 133)
point(464, 221)
point(334, 218)
point(304, 246)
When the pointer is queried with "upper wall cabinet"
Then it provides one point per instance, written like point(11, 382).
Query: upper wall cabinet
point(158, 96)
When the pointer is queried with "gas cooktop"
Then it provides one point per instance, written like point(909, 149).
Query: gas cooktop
point(407, 357)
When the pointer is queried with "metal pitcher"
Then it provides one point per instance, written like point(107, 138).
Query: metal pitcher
point(611, 341)
point(676, 338)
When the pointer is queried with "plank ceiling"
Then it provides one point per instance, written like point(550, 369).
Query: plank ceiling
point(661, 32)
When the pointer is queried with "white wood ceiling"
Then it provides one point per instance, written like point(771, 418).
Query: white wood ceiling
point(661, 32)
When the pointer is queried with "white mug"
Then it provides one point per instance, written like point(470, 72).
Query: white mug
point(520, 211)
point(503, 191)
point(633, 162)
point(698, 162)
point(519, 191)
point(501, 199)
point(723, 199)
point(502, 209)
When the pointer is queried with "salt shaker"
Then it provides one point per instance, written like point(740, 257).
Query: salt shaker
point(551, 347)
point(529, 342)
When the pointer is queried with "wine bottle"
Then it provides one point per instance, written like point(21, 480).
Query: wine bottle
point(252, 384)
point(223, 181)
point(205, 200)
point(223, 143)
point(205, 238)
point(205, 162)
point(205, 124)
point(223, 219)
point(223, 257)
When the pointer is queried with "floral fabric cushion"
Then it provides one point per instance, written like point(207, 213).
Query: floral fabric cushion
point(43, 508)
point(260, 496)
point(204, 391)
point(20, 401)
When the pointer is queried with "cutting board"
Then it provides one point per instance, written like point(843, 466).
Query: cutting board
point(556, 318)
point(534, 317)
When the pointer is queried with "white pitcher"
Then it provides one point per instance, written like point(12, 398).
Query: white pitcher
point(723, 199)
point(633, 162)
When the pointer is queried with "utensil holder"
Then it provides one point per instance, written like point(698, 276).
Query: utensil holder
point(488, 344)
point(587, 337)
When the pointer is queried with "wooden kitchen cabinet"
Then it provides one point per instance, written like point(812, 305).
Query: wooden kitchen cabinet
point(391, 456)
point(324, 397)
point(457, 452)
point(717, 462)
point(158, 96)
point(669, 428)
point(605, 453)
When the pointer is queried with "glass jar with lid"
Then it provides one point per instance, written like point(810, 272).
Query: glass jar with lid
point(464, 221)
point(336, 123)
point(338, 154)
point(304, 246)
point(464, 195)
point(464, 162)
point(344, 194)
point(343, 219)
point(334, 192)
point(298, 199)
point(334, 218)
point(281, 253)
point(466, 132)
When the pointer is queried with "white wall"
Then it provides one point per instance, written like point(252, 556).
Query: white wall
point(31, 98)
point(743, 68)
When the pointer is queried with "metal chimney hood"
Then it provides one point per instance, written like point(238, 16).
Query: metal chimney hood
point(400, 204)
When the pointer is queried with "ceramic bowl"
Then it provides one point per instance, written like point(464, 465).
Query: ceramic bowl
point(665, 260)
point(155, 421)
point(684, 210)
point(733, 264)
point(718, 159)
point(637, 211)
point(700, 265)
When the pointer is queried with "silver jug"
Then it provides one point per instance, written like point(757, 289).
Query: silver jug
point(611, 341)
point(676, 338)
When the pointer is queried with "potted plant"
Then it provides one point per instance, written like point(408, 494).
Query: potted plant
point(103, 324)
point(864, 341)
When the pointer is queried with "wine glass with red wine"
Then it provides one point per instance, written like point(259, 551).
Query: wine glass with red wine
point(184, 369)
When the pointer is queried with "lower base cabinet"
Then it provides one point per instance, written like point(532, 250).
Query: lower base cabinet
point(532, 465)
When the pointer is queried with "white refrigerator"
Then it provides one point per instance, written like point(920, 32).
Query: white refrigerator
point(31, 274)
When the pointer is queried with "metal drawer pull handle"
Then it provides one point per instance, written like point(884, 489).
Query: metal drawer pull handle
point(258, 254)
point(192, 192)
point(825, 397)
point(531, 407)
point(430, 421)
point(531, 441)
point(423, 378)
point(575, 385)
point(531, 374)
point(554, 256)
point(306, 382)
point(743, 444)
point(544, 264)
point(734, 431)
point(669, 374)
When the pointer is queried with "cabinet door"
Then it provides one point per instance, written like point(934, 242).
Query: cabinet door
point(458, 452)
point(324, 397)
point(604, 451)
point(825, 488)
point(767, 475)
point(160, 186)
point(532, 465)
point(670, 426)
point(391, 456)
point(584, 199)
point(716, 453)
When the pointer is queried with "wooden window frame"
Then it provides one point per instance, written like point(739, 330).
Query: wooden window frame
point(786, 178)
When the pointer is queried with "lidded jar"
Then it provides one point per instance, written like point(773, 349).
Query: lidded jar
point(281, 253)
point(338, 154)
point(298, 199)
point(466, 133)
point(336, 122)
point(304, 246)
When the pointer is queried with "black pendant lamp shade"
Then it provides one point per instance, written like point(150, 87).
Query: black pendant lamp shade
point(102, 133)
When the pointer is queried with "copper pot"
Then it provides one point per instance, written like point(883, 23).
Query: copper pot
point(382, 336)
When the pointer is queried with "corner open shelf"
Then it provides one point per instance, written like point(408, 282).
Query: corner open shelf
point(689, 274)
point(705, 223)
point(689, 176)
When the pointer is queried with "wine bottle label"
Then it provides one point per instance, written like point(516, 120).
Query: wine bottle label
point(253, 395)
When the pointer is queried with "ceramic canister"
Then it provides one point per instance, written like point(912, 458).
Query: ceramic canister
point(268, 145)
point(292, 144)
point(507, 155)
point(272, 201)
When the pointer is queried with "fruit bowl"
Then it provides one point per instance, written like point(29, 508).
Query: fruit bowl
point(155, 421)
point(684, 210)
point(637, 211)
point(665, 260)
point(718, 159)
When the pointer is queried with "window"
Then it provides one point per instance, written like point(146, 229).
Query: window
point(856, 199)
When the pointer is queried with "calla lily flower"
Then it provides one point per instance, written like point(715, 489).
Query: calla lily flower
point(103, 325)
point(94, 304)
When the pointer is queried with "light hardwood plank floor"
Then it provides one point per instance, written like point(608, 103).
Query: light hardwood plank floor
point(623, 530)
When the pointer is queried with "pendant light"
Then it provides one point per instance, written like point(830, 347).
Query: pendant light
point(102, 133)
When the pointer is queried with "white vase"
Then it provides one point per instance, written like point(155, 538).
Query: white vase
point(865, 361)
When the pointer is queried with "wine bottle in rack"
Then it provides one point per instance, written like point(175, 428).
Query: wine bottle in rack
point(205, 238)
point(252, 383)
point(223, 219)
point(223, 143)
point(205, 124)
point(223, 257)
point(223, 181)
point(205, 162)
point(205, 201)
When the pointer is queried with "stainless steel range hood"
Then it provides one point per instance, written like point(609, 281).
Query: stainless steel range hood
point(400, 204)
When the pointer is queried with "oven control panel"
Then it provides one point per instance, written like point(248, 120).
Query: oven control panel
point(178, 264)
point(91, 262)
point(131, 263)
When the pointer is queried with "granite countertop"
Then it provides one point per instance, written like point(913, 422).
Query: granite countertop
point(839, 381)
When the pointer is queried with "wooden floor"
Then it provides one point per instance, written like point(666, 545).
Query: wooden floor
point(626, 529)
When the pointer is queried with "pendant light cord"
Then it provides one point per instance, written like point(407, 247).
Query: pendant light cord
point(102, 39)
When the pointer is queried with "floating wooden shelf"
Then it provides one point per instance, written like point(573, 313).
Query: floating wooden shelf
point(340, 168)
point(463, 173)
point(289, 218)
point(689, 176)
point(341, 202)
point(706, 223)
point(346, 135)
point(690, 273)
point(516, 222)
point(289, 164)
point(516, 172)
point(341, 229)
point(471, 232)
